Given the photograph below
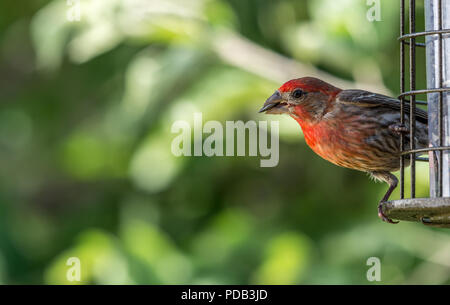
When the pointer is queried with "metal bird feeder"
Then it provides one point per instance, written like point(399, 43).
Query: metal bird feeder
point(435, 210)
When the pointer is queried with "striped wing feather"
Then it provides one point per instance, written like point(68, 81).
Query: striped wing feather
point(369, 99)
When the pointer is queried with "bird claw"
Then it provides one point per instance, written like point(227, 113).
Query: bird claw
point(383, 216)
point(399, 128)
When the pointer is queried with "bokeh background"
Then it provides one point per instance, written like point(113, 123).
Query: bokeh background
point(87, 170)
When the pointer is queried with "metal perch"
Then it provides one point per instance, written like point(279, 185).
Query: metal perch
point(434, 212)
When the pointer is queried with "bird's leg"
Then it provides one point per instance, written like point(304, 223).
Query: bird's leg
point(392, 181)
point(399, 128)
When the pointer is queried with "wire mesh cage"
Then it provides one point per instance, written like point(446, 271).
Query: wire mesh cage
point(434, 210)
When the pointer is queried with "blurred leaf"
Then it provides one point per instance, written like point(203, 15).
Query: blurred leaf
point(223, 235)
point(50, 31)
point(101, 261)
point(154, 248)
point(286, 259)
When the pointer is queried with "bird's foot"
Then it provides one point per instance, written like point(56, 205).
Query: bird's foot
point(399, 128)
point(383, 216)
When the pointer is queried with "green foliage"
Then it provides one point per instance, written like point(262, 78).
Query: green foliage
point(87, 169)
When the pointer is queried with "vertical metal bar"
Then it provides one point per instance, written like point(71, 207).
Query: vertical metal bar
point(445, 82)
point(437, 17)
point(402, 99)
point(412, 85)
point(441, 104)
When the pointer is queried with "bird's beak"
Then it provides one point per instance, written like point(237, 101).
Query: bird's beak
point(274, 104)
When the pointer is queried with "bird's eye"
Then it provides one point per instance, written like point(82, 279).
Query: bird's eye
point(297, 93)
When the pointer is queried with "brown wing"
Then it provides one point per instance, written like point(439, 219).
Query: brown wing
point(369, 99)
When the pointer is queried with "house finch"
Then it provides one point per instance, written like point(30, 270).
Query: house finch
point(351, 128)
